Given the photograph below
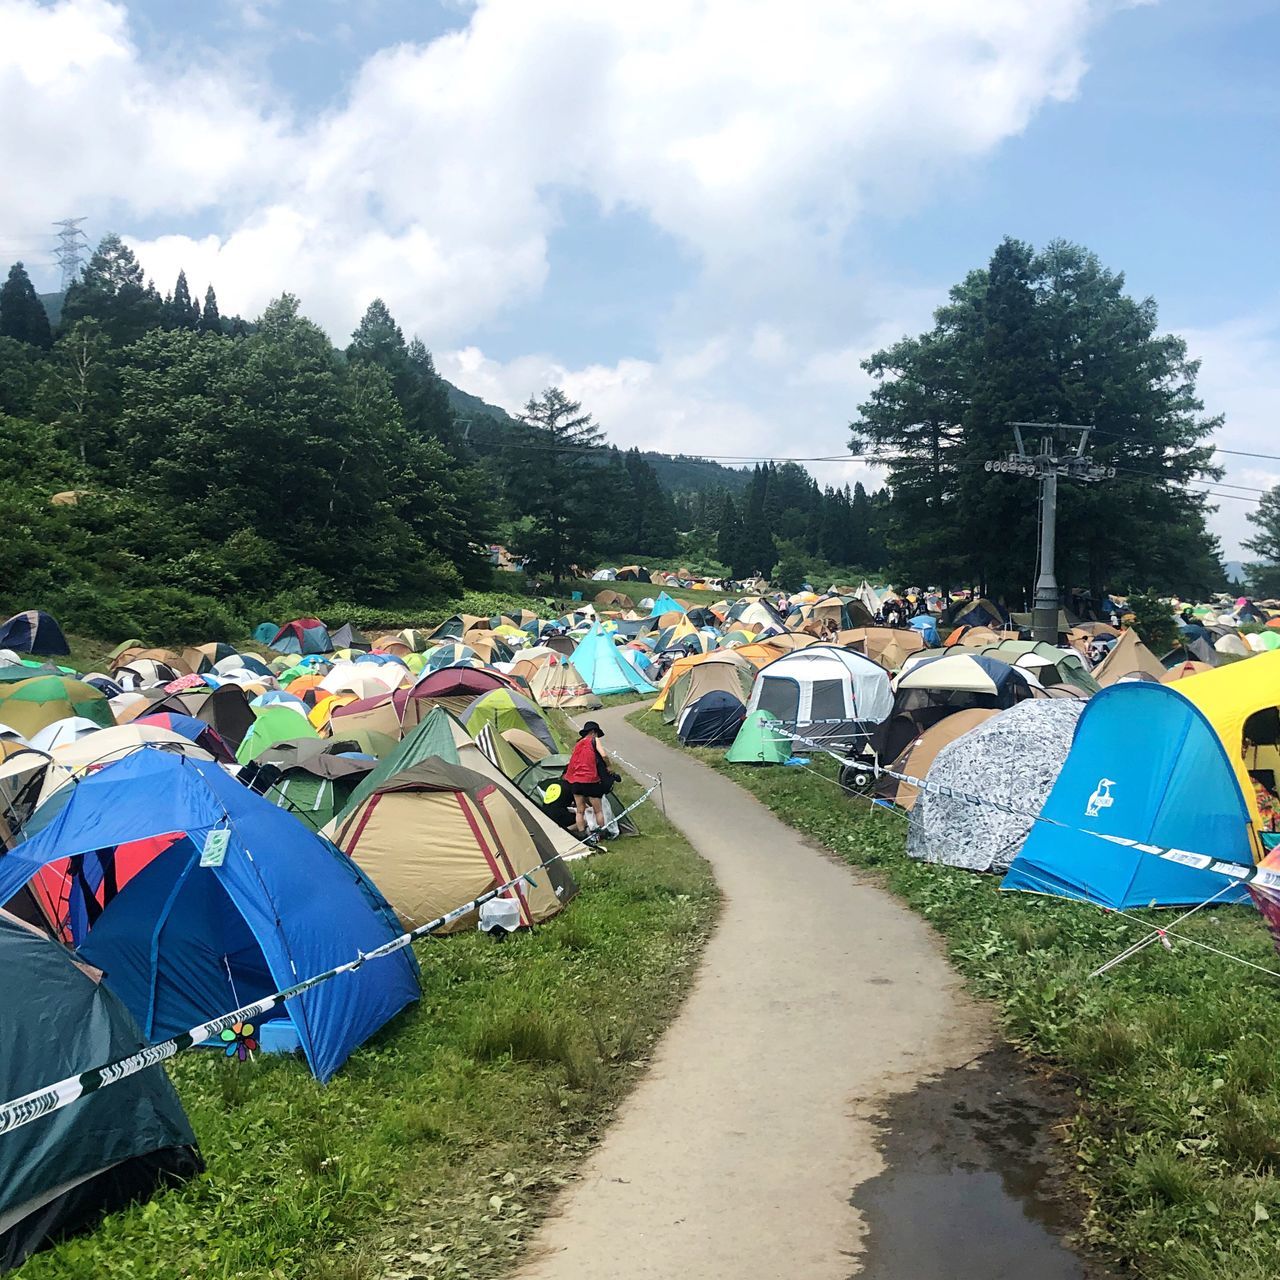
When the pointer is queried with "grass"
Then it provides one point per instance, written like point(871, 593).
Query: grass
point(439, 1145)
point(1174, 1055)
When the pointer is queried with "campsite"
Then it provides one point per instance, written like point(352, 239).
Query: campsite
point(639, 641)
point(398, 776)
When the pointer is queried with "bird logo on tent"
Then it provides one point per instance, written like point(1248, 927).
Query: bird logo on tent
point(1101, 798)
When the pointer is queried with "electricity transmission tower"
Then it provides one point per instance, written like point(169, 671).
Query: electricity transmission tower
point(69, 254)
point(1057, 457)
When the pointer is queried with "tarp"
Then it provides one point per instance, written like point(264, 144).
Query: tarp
point(1145, 764)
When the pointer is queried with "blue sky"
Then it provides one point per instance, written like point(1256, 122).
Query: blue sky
point(698, 218)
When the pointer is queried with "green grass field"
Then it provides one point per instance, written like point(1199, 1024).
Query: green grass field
point(1174, 1054)
point(438, 1146)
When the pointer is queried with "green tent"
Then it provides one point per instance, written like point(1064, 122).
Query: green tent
point(63, 1171)
point(31, 705)
point(760, 741)
point(273, 725)
point(316, 778)
point(433, 736)
point(504, 709)
point(557, 804)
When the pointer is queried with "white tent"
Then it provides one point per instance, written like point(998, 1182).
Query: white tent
point(823, 692)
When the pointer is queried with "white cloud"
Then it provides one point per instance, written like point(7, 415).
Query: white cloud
point(752, 133)
point(1240, 378)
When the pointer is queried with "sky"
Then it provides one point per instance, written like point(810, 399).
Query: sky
point(697, 216)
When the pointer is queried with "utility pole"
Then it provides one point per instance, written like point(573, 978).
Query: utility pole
point(1056, 457)
point(70, 251)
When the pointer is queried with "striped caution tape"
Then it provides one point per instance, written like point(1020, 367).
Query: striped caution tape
point(1263, 877)
point(53, 1097)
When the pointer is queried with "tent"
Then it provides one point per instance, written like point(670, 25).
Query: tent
point(302, 635)
point(917, 757)
point(603, 668)
point(453, 628)
point(761, 740)
point(29, 705)
point(926, 626)
point(723, 669)
point(712, 720)
point(823, 692)
point(33, 631)
point(265, 632)
point(1232, 644)
point(977, 613)
point(349, 636)
point(64, 1171)
point(888, 646)
point(436, 835)
point(198, 928)
point(1145, 764)
point(1013, 758)
point(1242, 702)
point(505, 709)
point(1128, 656)
point(226, 709)
point(316, 778)
point(558, 684)
point(665, 604)
point(273, 724)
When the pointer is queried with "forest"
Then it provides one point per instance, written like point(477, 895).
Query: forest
point(172, 469)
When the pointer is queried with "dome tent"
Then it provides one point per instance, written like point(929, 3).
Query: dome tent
point(196, 930)
point(597, 659)
point(66, 1170)
point(1014, 758)
point(33, 631)
point(713, 720)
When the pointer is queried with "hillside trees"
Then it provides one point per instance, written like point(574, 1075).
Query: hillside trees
point(22, 314)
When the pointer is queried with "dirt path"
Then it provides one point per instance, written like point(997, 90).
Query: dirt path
point(737, 1154)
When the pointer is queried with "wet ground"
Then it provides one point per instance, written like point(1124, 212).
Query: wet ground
point(971, 1190)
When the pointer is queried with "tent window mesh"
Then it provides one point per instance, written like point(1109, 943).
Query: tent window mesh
point(781, 698)
point(828, 700)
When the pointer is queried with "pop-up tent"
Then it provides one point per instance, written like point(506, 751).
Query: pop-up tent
point(665, 604)
point(64, 1171)
point(597, 659)
point(195, 896)
point(1145, 764)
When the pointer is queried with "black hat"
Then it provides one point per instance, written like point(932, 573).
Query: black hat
point(591, 727)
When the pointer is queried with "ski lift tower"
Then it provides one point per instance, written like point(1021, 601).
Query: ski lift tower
point(1061, 454)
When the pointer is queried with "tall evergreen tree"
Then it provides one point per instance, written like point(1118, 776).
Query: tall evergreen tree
point(22, 314)
point(210, 320)
point(181, 310)
point(1049, 337)
point(555, 483)
point(113, 291)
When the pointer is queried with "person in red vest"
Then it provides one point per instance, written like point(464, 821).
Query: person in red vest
point(588, 777)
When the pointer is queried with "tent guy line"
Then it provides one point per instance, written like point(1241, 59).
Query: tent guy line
point(53, 1097)
point(1261, 876)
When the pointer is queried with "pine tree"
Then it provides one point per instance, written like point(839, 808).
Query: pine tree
point(555, 484)
point(210, 320)
point(22, 314)
point(113, 291)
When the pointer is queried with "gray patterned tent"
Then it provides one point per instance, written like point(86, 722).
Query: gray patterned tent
point(1013, 758)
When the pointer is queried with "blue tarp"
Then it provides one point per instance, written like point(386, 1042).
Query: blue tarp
point(1145, 764)
point(181, 943)
point(926, 625)
point(598, 661)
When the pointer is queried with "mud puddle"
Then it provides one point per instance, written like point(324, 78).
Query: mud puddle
point(971, 1188)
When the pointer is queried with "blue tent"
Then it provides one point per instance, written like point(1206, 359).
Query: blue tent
point(1147, 765)
point(265, 632)
point(33, 631)
point(181, 942)
point(665, 604)
point(598, 661)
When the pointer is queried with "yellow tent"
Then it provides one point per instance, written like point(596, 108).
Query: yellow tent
point(1241, 700)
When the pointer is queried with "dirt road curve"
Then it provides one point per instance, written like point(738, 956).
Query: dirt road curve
point(737, 1154)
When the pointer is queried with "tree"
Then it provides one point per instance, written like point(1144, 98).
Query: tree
point(181, 310)
point(113, 291)
point(554, 483)
point(1264, 576)
point(1045, 337)
point(210, 320)
point(22, 314)
point(80, 394)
